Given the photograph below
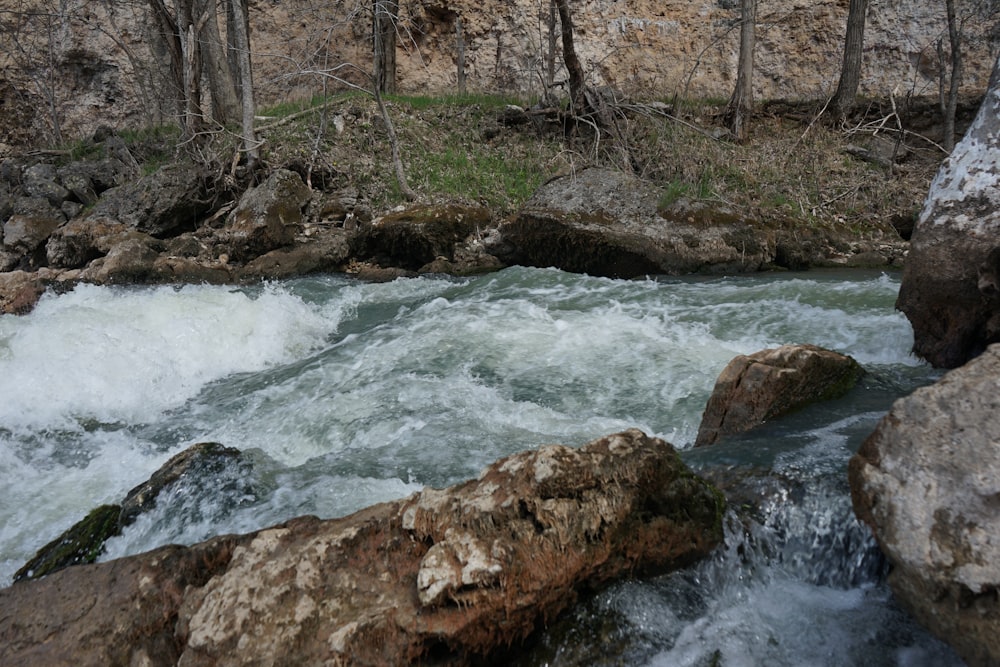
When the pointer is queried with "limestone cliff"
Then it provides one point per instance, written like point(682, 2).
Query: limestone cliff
point(87, 63)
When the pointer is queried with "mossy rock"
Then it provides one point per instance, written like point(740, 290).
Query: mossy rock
point(82, 543)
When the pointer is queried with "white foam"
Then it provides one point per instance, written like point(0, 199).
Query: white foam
point(128, 355)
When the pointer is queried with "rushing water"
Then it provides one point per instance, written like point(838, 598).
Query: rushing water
point(344, 394)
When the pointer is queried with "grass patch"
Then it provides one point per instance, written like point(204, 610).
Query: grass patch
point(483, 100)
point(476, 172)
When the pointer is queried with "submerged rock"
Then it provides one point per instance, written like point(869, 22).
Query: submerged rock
point(767, 384)
point(444, 575)
point(927, 483)
point(84, 541)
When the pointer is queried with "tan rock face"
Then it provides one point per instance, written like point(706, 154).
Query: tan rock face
point(642, 47)
point(444, 574)
point(927, 482)
point(767, 384)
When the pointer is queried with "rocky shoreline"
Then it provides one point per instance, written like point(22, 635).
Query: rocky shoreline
point(102, 222)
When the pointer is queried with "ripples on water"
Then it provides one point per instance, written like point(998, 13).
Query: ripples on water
point(344, 394)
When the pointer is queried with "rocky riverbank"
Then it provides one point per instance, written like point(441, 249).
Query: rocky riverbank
point(111, 220)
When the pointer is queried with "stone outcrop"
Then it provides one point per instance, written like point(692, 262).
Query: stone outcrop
point(950, 289)
point(417, 236)
point(171, 200)
point(607, 223)
point(756, 388)
point(441, 576)
point(927, 482)
point(597, 221)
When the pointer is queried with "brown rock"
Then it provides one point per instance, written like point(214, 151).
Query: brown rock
point(444, 575)
point(187, 270)
point(326, 250)
point(927, 483)
point(767, 384)
point(127, 262)
point(19, 292)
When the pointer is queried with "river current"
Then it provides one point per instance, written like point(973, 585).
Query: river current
point(343, 394)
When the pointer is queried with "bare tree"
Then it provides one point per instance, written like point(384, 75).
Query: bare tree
point(850, 71)
point(741, 103)
point(385, 13)
point(577, 83)
point(216, 64)
point(949, 102)
point(240, 41)
point(384, 21)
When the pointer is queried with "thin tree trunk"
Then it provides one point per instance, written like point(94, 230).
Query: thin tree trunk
point(241, 42)
point(577, 85)
point(50, 88)
point(550, 56)
point(397, 161)
point(225, 105)
point(741, 103)
point(850, 72)
point(166, 26)
point(384, 40)
point(460, 39)
point(955, 38)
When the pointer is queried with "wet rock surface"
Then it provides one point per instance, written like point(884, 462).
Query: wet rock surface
point(756, 388)
point(84, 541)
point(446, 576)
point(927, 482)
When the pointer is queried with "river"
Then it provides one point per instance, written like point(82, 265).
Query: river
point(344, 394)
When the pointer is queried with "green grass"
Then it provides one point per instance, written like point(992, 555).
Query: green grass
point(484, 100)
point(476, 173)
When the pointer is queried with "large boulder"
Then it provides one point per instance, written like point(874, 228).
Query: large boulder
point(267, 217)
point(927, 482)
point(950, 288)
point(607, 223)
point(20, 291)
point(756, 388)
point(82, 240)
point(41, 180)
point(130, 261)
point(171, 200)
point(443, 575)
point(419, 235)
point(325, 250)
point(27, 230)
